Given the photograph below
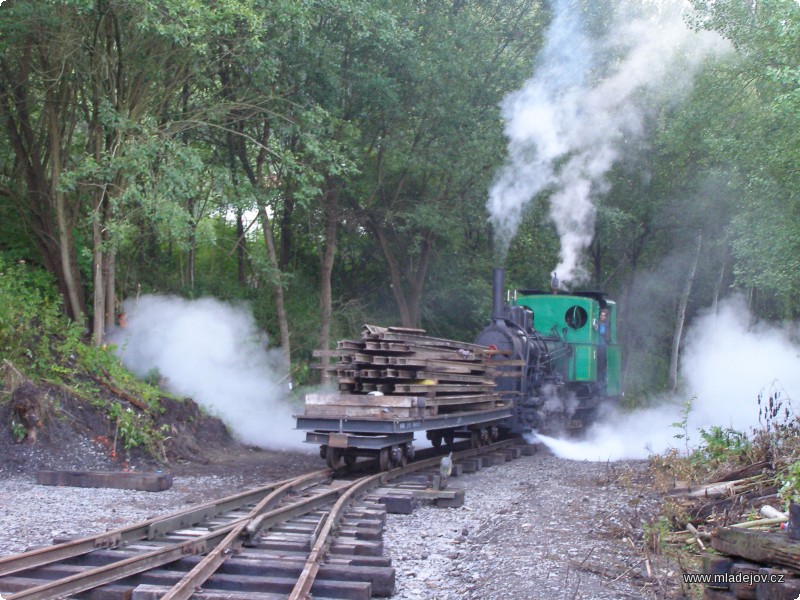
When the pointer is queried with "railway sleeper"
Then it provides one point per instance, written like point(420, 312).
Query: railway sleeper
point(12, 584)
point(333, 581)
point(105, 557)
point(322, 588)
point(155, 592)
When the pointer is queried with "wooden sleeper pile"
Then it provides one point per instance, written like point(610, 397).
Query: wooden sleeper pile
point(394, 372)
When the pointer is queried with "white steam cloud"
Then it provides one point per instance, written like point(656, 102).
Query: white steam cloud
point(726, 365)
point(214, 353)
point(567, 126)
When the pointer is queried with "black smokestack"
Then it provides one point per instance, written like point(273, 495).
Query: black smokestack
point(498, 284)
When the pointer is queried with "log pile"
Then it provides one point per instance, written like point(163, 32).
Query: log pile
point(394, 372)
point(755, 565)
point(756, 560)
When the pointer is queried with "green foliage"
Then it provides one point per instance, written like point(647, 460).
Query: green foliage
point(34, 333)
point(132, 429)
point(722, 444)
point(717, 446)
point(18, 431)
point(41, 342)
point(386, 114)
point(655, 530)
point(683, 424)
point(789, 481)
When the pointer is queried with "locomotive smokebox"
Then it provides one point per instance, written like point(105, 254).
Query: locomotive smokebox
point(498, 283)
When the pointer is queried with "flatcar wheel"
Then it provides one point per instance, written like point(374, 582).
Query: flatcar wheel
point(349, 459)
point(384, 459)
point(485, 437)
point(475, 438)
point(409, 451)
point(333, 458)
point(403, 456)
point(397, 456)
point(436, 439)
point(449, 439)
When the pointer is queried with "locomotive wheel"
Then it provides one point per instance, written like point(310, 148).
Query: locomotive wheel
point(384, 459)
point(333, 458)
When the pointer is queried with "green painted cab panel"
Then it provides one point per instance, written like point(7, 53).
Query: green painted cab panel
point(614, 375)
point(570, 319)
point(583, 366)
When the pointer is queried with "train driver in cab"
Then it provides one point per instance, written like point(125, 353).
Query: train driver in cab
point(603, 328)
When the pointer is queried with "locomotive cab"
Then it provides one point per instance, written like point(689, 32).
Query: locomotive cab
point(572, 319)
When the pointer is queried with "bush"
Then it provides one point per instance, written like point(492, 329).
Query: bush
point(35, 334)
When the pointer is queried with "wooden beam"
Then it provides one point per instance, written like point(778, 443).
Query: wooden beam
point(773, 548)
point(124, 480)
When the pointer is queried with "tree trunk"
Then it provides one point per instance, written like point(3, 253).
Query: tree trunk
point(240, 248)
point(286, 228)
point(99, 305)
point(256, 178)
point(103, 267)
point(596, 253)
point(326, 269)
point(718, 287)
point(111, 287)
point(683, 301)
point(394, 274)
point(277, 286)
point(407, 304)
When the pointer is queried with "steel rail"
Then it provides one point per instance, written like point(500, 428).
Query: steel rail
point(302, 589)
point(195, 578)
point(224, 539)
point(148, 529)
point(93, 578)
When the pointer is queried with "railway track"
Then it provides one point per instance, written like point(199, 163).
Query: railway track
point(314, 535)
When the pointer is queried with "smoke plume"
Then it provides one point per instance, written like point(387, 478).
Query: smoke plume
point(214, 353)
point(727, 365)
point(587, 98)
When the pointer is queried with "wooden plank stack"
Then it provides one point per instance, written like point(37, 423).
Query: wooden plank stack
point(758, 566)
point(394, 372)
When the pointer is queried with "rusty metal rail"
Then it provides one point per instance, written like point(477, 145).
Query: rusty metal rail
point(302, 589)
point(218, 530)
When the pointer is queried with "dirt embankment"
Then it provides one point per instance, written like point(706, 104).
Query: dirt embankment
point(47, 427)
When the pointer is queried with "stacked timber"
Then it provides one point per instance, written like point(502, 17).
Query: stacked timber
point(395, 372)
point(759, 565)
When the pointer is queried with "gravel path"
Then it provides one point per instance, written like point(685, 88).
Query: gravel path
point(32, 514)
point(537, 527)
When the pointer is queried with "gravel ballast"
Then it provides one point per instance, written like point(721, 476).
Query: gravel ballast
point(536, 527)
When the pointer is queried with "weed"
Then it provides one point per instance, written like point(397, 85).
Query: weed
point(18, 431)
point(789, 490)
point(683, 424)
point(655, 531)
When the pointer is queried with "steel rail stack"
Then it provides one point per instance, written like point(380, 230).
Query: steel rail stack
point(396, 381)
